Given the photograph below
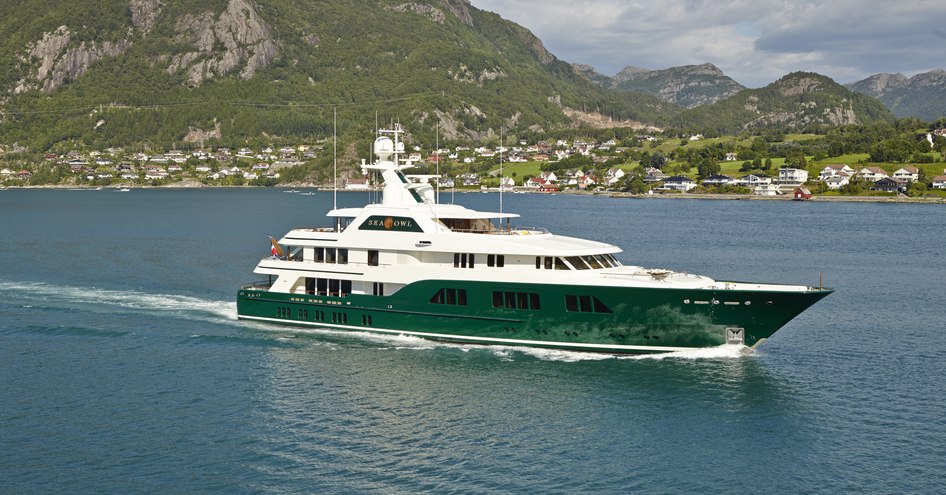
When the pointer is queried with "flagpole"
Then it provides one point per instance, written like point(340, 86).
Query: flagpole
point(335, 165)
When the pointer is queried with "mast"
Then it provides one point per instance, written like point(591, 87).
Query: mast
point(501, 168)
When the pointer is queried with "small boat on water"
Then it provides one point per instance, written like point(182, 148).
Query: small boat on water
point(412, 266)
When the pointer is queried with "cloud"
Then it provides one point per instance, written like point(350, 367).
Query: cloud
point(754, 42)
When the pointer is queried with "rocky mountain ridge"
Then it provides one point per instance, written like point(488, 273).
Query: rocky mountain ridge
point(922, 96)
point(689, 85)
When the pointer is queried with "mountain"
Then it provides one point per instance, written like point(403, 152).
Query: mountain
point(689, 85)
point(794, 101)
point(922, 96)
point(129, 72)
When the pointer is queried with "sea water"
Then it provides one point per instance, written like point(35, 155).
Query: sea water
point(124, 370)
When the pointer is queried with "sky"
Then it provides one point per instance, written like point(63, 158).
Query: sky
point(754, 42)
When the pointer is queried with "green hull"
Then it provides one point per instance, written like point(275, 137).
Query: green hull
point(615, 319)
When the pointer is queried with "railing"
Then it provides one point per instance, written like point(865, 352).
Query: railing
point(260, 285)
point(513, 231)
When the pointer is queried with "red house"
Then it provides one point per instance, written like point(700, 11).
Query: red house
point(801, 194)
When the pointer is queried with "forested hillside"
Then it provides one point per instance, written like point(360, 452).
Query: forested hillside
point(123, 72)
point(795, 101)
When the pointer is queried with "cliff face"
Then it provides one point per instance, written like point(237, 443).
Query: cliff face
point(235, 39)
point(55, 58)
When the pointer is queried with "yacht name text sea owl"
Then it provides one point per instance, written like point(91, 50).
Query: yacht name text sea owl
point(412, 266)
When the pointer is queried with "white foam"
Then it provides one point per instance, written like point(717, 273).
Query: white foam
point(725, 351)
point(178, 305)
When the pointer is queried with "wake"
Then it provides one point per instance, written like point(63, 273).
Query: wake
point(41, 295)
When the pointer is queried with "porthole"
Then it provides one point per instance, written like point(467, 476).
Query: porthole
point(686, 301)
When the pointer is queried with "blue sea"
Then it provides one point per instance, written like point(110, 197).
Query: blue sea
point(124, 370)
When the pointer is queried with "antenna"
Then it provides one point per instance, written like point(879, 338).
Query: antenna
point(501, 168)
point(335, 157)
point(437, 156)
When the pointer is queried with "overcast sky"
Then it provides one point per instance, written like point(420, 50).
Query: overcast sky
point(753, 41)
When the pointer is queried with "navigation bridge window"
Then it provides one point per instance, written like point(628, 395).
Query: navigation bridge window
point(497, 260)
point(585, 304)
point(587, 262)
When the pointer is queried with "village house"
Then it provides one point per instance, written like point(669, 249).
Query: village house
point(613, 176)
point(907, 174)
point(872, 174)
point(718, 180)
point(754, 180)
point(357, 184)
point(731, 157)
point(548, 176)
point(445, 182)
point(834, 170)
point(654, 175)
point(939, 182)
point(678, 183)
point(836, 182)
point(801, 194)
point(887, 184)
point(792, 177)
point(766, 190)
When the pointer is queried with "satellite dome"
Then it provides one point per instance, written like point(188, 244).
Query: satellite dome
point(383, 147)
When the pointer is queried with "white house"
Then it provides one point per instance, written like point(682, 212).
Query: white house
point(548, 176)
point(718, 180)
point(614, 176)
point(753, 180)
point(833, 170)
point(792, 176)
point(836, 182)
point(939, 182)
point(909, 174)
point(872, 174)
point(766, 190)
point(679, 183)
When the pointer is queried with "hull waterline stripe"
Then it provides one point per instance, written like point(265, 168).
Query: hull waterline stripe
point(456, 338)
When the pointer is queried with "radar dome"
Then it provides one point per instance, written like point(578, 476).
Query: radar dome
point(383, 147)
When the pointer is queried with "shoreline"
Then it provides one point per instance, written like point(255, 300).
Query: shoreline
point(610, 194)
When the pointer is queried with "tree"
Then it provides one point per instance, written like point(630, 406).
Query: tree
point(658, 160)
point(707, 167)
point(634, 184)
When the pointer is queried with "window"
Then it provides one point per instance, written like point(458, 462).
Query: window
point(378, 289)
point(585, 304)
point(500, 260)
point(577, 262)
point(560, 264)
point(460, 260)
point(454, 297)
point(343, 256)
point(322, 286)
point(320, 255)
point(592, 262)
point(538, 262)
point(490, 260)
point(309, 285)
point(333, 287)
point(373, 256)
point(330, 255)
point(295, 253)
point(516, 300)
point(548, 262)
